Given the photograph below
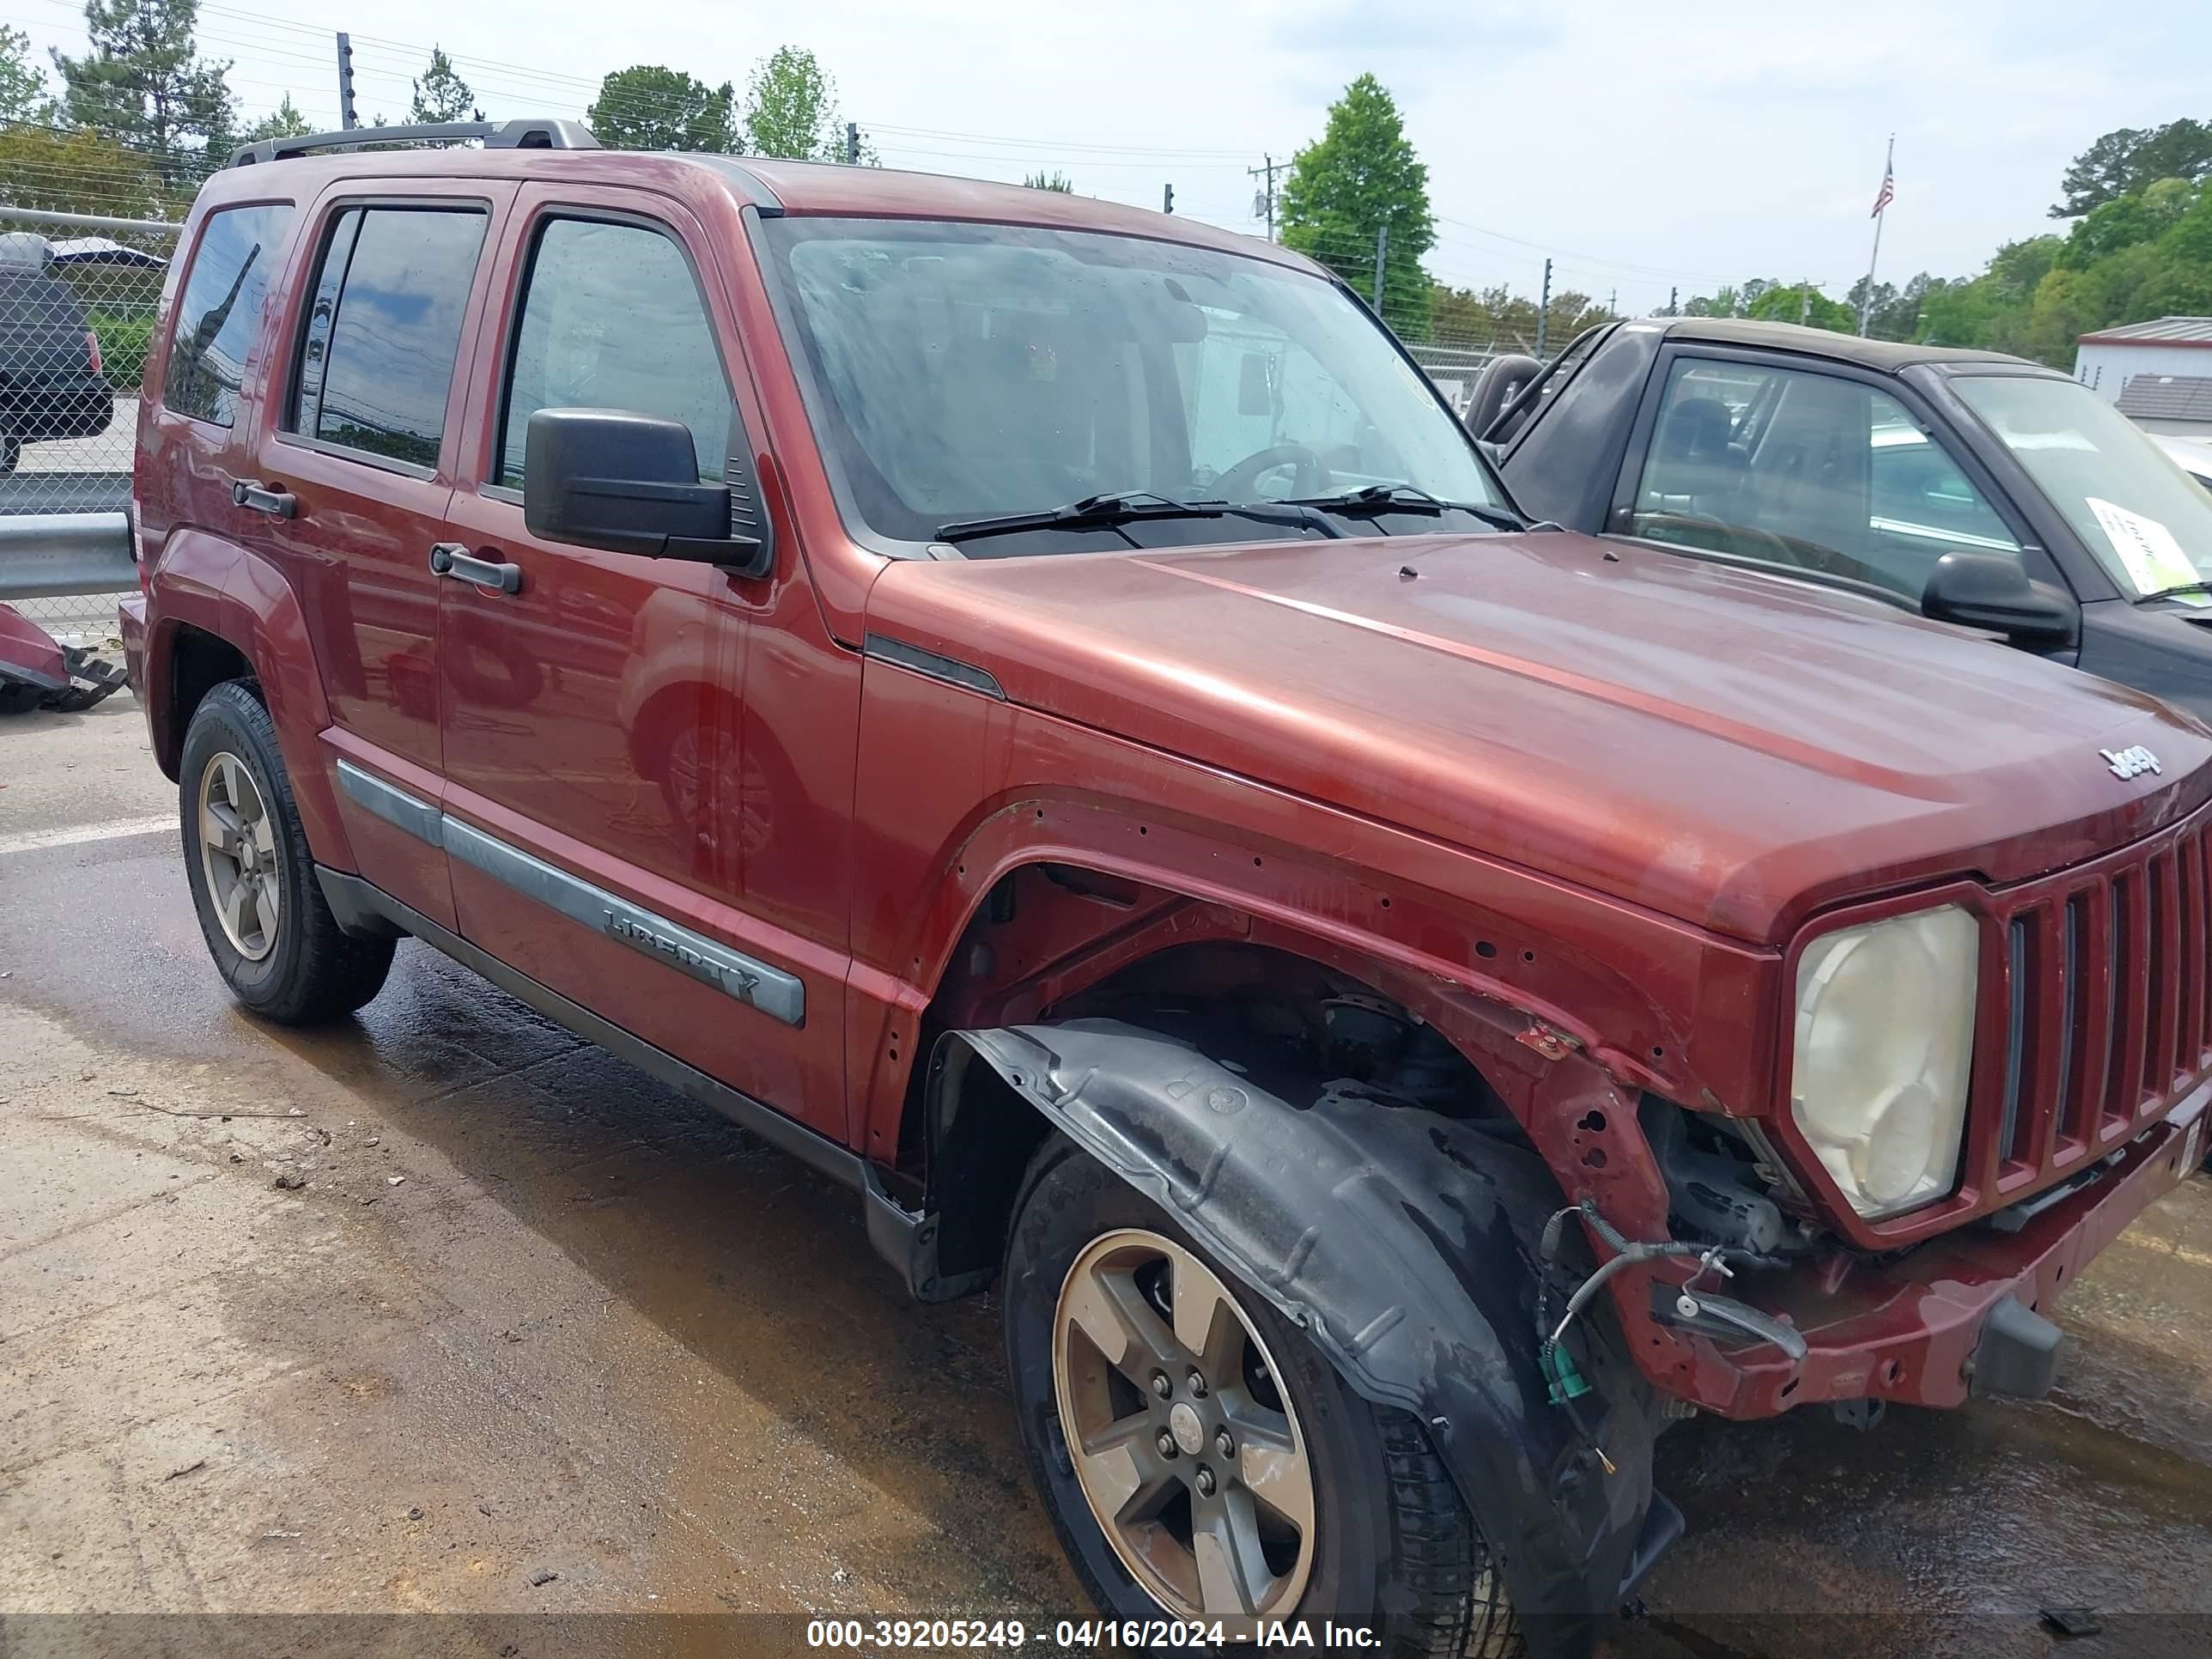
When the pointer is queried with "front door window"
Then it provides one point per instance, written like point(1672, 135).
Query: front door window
point(1806, 470)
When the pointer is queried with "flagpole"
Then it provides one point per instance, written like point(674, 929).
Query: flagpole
point(1866, 299)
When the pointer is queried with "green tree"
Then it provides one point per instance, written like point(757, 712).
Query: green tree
point(647, 107)
point(1497, 316)
point(2121, 163)
point(2139, 217)
point(1358, 178)
point(77, 171)
point(144, 82)
point(1802, 303)
point(442, 96)
point(1042, 180)
point(791, 110)
point(23, 95)
point(285, 121)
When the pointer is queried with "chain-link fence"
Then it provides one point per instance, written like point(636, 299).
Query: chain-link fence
point(77, 298)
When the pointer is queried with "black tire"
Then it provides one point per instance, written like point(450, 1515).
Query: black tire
point(20, 696)
point(11, 453)
point(314, 972)
point(1395, 1550)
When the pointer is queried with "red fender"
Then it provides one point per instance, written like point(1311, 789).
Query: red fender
point(242, 598)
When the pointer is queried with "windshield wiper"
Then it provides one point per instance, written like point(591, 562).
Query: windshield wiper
point(1127, 507)
point(2178, 587)
point(1371, 499)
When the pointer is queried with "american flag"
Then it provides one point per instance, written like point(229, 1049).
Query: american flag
point(1886, 195)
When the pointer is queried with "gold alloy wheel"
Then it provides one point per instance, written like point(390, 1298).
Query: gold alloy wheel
point(1183, 1438)
point(237, 856)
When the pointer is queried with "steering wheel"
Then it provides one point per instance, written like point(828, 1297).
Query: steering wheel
point(1239, 482)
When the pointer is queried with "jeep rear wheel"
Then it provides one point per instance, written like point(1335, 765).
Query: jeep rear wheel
point(1200, 1459)
point(253, 877)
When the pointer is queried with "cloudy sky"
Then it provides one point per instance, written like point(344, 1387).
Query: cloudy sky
point(1643, 147)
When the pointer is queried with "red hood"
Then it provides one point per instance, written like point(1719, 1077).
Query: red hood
point(1727, 748)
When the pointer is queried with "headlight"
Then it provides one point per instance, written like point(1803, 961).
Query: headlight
point(1884, 1045)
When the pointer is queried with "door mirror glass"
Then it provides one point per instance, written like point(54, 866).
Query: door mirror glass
point(628, 483)
point(1991, 591)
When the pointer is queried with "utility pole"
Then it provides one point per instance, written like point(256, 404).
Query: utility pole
point(852, 143)
point(1544, 310)
point(1167, 199)
point(1805, 303)
point(1672, 309)
point(1382, 243)
point(1263, 201)
point(347, 118)
point(1613, 302)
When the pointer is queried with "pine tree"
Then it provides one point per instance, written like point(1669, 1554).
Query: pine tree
point(285, 121)
point(442, 96)
point(144, 84)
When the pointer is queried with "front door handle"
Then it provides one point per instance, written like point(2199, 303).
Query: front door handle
point(272, 499)
point(452, 559)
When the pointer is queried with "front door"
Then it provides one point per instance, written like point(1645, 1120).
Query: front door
point(591, 700)
point(356, 466)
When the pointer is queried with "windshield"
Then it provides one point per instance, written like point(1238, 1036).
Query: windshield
point(966, 372)
point(2145, 519)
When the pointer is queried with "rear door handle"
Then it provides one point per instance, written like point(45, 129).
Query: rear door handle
point(272, 499)
point(452, 559)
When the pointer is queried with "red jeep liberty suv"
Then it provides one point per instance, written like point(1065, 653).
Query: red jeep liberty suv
point(1038, 709)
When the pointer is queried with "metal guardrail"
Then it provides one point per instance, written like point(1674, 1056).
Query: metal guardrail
point(78, 295)
point(56, 555)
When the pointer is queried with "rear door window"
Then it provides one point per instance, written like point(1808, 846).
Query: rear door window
point(219, 313)
point(1803, 469)
point(384, 329)
point(611, 319)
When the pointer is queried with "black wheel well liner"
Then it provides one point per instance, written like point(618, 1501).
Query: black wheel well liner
point(198, 662)
point(1397, 1239)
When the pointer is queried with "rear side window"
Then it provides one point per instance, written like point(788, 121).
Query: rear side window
point(384, 329)
point(220, 311)
point(611, 319)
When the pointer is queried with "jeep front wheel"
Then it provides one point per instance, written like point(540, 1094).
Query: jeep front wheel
point(1200, 1458)
point(253, 877)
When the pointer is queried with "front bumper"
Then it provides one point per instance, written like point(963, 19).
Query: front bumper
point(1905, 1329)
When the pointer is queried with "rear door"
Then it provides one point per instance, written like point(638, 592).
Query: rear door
point(351, 477)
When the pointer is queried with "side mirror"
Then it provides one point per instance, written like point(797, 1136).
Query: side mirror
point(1990, 591)
point(626, 482)
point(1254, 395)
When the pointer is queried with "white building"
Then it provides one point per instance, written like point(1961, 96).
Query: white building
point(2178, 346)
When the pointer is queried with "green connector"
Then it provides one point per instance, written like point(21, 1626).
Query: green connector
point(1566, 1382)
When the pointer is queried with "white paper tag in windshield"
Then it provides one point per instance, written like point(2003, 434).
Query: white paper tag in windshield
point(2147, 547)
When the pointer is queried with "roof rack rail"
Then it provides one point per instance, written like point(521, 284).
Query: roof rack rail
point(519, 134)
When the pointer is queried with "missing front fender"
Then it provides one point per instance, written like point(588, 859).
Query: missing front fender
point(1399, 1240)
